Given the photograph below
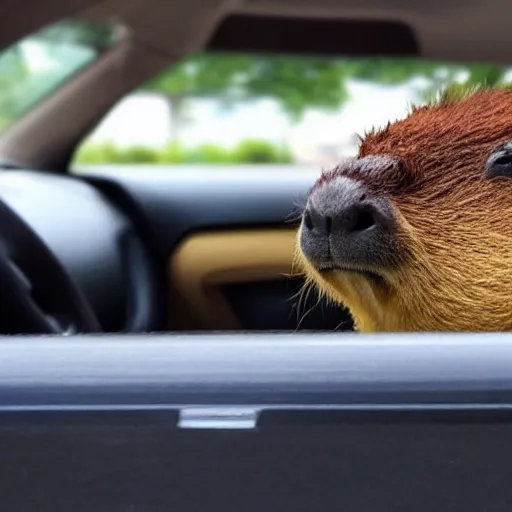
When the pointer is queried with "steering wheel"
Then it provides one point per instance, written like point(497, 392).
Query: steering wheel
point(37, 296)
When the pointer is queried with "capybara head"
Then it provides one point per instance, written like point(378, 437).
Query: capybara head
point(415, 234)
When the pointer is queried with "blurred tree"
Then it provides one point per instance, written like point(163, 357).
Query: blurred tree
point(390, 71)
point(92, 35)
point(197, 77)
point(433, 75)
point(33, 67)
point(13, 71)
point(298, 83)
point(488, 74)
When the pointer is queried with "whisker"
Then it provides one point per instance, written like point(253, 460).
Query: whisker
point(308, 311)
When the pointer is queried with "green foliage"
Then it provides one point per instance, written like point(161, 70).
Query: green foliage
point(137, 155)
point(259, 152)
point(203, 75)
point(96, 35)
point(69, 45)
point(109, 153)
point(487, 75)
point(454, 93)
point(297, 83)
point(172, 153)
point(440, 77)
point(97, 154)
point(207, 154)
point(246, 152)
point(4, 123)
point(387, 71)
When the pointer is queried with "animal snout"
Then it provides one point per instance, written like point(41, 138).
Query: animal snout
point(346, 227)
point(347, 220)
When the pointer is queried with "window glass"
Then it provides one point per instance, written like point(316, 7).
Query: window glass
point(36, 66)
point(267, 109)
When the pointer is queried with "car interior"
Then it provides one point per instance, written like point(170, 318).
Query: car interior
point(164, 354)
point(153, 250)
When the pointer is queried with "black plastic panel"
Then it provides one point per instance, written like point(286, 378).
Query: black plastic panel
point(177, 201)
point(280, 306)
point(360, 468)
point(251, 33)
point(347, 422)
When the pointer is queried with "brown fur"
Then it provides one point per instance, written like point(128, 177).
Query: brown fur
point(455, 226)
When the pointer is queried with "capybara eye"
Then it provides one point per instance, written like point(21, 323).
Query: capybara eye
point(499, 163)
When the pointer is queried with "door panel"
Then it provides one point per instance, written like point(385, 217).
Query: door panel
point(283, 305)
point(243, 280)
point(206, 263)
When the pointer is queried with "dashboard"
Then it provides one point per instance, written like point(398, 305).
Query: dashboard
point(114, 230)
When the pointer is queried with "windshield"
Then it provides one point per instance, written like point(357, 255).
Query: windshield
point(251, 108)
point(36, 66)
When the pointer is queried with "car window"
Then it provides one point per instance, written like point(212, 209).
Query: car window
point(39, 64)
point(232, 108)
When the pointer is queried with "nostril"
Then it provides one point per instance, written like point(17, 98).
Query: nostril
point(313, 220)
point(364, 218)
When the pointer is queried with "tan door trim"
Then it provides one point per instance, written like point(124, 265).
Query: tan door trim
point(205, 262)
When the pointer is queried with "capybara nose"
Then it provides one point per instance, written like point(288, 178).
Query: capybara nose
point(345, 226)
point(348, 220)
